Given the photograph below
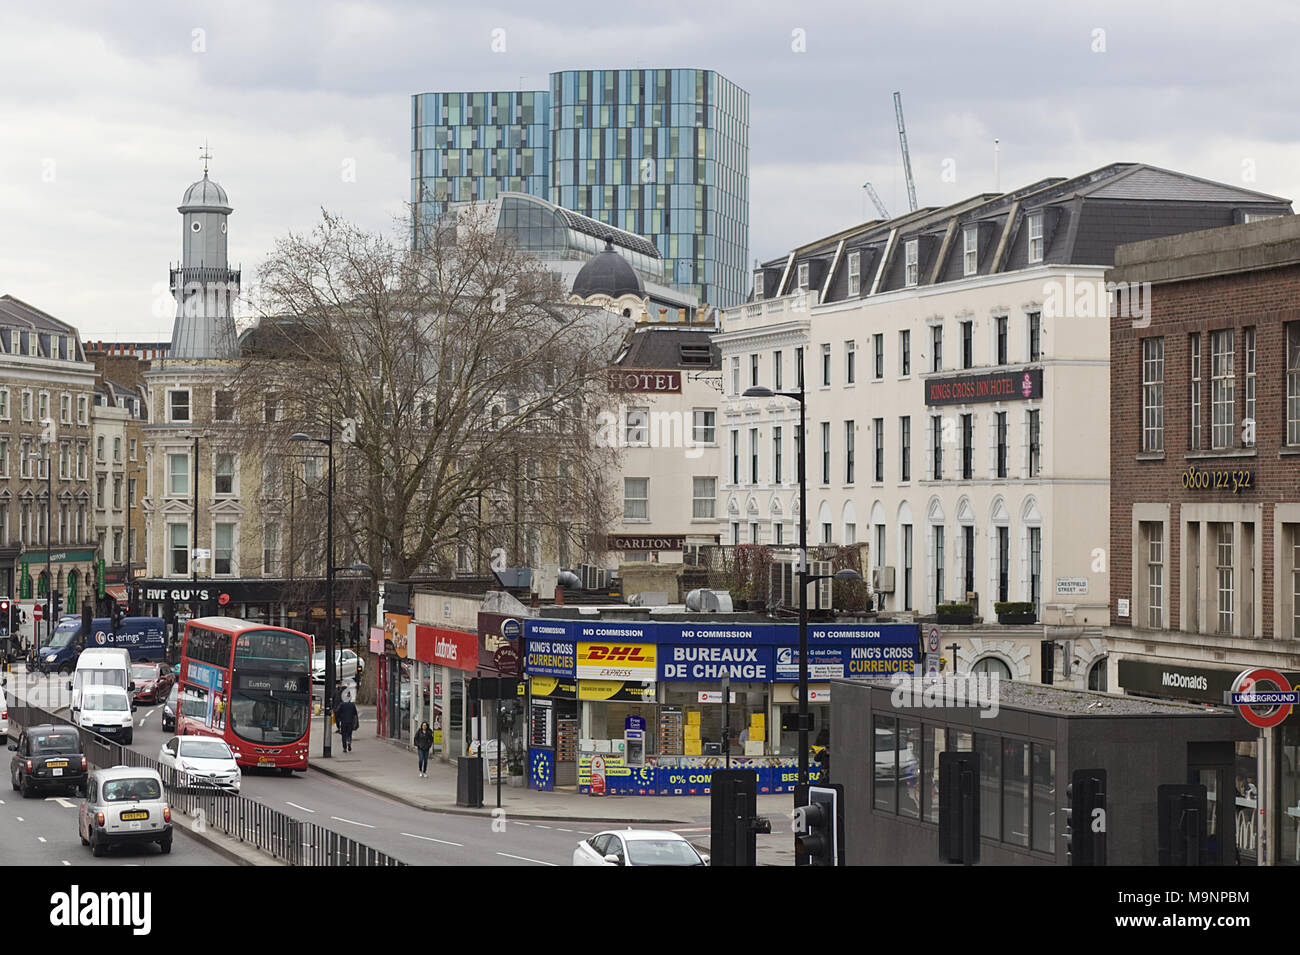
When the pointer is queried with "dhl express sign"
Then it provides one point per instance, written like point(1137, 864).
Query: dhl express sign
point(616, 661)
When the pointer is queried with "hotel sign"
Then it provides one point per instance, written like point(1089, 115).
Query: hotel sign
point(646, 542)
point(972, 389)
point(651, 382)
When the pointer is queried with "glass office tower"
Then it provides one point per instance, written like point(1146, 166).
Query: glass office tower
point(660, 153)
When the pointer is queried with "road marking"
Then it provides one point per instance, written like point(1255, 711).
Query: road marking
point(583, 832)
point(526, 859)
point(563, 830)
point(296, 806)
point(66, 862)
point(62, 801)
point(41, 838)
point(147, 715)
point(540, 826)
point(517, 823)
point(19, 818)
point(351, 823)
point(431, 839)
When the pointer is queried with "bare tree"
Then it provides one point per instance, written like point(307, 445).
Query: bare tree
point(468, 383)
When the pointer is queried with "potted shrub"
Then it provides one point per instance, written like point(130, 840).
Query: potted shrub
point(515, 766)
point(741, 595)
point(955, 613)
point(1012, 612)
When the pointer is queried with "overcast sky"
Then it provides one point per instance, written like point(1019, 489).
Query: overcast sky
point(103, 108)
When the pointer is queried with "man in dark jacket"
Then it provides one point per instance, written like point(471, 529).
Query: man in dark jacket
point(348, 721)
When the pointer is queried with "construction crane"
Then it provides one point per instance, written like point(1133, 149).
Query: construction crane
point(907, 160)
point(875, 200)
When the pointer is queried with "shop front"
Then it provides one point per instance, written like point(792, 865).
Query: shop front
point(498, 723)
point(395, 678)
point(1237, 801)
point(443, 656)
point(661, 705)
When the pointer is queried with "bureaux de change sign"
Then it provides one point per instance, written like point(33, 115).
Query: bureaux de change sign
point(756, 653)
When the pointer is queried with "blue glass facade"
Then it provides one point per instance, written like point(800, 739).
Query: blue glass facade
point(471, 146)
point(660, 153)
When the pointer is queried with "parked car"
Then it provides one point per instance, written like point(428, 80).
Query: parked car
point(124, 805)
point(637, 847)
point(201, 761)
point(46, 757)
point(347, 665)
point(169, 709)
point(4, 715)
point(152, 681)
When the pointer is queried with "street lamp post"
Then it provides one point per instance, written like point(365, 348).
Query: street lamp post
point(46, 441)
point(328, 701)
point(805, 721)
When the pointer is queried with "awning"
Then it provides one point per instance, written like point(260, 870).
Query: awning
point(116, 591)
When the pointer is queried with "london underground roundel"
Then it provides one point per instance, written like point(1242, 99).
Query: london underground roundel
point(1263, 697)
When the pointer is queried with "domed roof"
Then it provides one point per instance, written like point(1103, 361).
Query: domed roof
point(608, 273)
point(205, 194)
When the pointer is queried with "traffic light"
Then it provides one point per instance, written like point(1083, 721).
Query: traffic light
point(1085, 818)
point(817, 827)
point(56, 606)
point(959, 808)
point(118, 615)
point(734, 825)
point(1048, 654)
point(1181, 822)
point(7, 614)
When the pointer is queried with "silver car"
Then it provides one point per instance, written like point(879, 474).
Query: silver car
point(124, 805)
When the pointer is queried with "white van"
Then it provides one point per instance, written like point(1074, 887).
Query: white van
point(106, 710)
point(101, 666)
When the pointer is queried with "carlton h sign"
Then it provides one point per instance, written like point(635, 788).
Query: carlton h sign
point(972, 389)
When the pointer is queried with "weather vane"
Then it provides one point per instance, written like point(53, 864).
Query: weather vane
point(205, 155)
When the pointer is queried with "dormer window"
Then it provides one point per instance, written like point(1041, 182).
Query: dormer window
point(178, 405)
point(970, 250)
point(803, 276)
point(912, 252)
point(855, 273)
point(1036, 237)
point(758, 286)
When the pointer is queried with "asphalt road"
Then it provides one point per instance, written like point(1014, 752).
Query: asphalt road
point(43, 831)
point(415, 836)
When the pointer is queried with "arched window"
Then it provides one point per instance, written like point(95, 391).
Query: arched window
point(992, 665)
point(1097, 676)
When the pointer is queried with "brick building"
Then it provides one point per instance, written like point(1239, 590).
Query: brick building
point(1205, 495)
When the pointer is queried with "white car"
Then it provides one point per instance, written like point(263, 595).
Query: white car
point(4, 717)
point(347, 665)
point(637, 847)
point(201, 761)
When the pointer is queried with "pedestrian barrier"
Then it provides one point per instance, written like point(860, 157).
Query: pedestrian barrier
point(284, 838)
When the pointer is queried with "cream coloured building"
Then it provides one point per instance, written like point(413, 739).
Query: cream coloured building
point(956, 367)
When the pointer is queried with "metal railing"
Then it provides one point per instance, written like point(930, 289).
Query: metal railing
point(284, 838)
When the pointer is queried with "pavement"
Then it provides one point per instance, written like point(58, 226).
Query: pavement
point(389, 768)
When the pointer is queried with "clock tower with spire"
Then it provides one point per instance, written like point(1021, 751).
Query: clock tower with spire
point(204, 285)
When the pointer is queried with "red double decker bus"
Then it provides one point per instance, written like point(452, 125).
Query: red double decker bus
point(250, 684)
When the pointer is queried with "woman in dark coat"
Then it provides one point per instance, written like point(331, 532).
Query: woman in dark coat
point(423, 741)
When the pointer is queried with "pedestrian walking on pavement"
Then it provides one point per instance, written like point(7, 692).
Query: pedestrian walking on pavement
point(424, 740)
point(348, 721)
